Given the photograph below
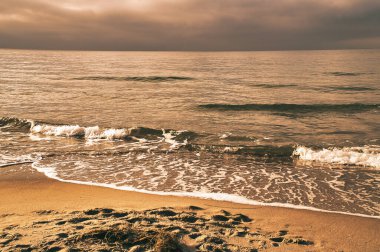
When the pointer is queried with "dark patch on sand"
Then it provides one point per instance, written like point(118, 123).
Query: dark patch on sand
point(195, 208)
point(163, 229)
point(46, 212)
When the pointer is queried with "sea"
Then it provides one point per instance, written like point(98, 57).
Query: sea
point(297, 129)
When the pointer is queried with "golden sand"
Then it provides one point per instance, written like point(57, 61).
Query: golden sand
point(41, 214)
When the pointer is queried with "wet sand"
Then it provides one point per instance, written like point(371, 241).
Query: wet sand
point(38, 213)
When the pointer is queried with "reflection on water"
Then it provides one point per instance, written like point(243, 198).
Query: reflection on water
point(201, 122)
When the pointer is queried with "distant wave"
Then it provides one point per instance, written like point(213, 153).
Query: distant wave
point(275, 85)
point(363, 156)
point(317, 88)
point(351, 88)
point(135, 78)
point(293, 108)
point(341, 132)
point(345, 73)
point(230, 137)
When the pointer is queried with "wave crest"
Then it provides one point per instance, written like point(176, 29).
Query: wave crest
point(363, 156)
point(15, 124)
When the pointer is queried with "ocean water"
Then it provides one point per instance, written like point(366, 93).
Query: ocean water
point(296, 129)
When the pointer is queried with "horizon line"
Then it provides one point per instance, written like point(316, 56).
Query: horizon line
point(274, 50)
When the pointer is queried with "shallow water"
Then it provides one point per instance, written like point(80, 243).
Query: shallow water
point(299, 128)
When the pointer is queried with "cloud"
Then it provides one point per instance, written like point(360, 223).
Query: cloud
point(189, 24)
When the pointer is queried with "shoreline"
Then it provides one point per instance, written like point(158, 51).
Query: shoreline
point(27, 191)
point(230, 198)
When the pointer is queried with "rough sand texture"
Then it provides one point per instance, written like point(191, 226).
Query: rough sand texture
point(40, 214)
point(162, 229)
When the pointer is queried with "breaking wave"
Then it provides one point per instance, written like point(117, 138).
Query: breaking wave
point(78, 131)
point(363, 156)
point(92, 132)
point(15, 124)
point(135, 78)
point(293, 108)
point(368, 156)
point(139, 134)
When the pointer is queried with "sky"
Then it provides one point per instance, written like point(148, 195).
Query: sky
point(189, 24)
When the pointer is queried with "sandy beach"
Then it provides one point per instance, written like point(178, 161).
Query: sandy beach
point(180, 126)
point(176, 126)
point(41, 214)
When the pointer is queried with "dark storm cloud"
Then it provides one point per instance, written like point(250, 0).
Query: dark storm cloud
point(189, 24)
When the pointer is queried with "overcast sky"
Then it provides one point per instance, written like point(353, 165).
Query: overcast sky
point(189, 24)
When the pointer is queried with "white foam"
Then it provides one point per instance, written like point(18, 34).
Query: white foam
point(38, 138)
point(112, 134)
point(90, 133)
point(225, 135)
point(231, 149)
point(368, 156)
point(62, 130)
point(51, 173)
